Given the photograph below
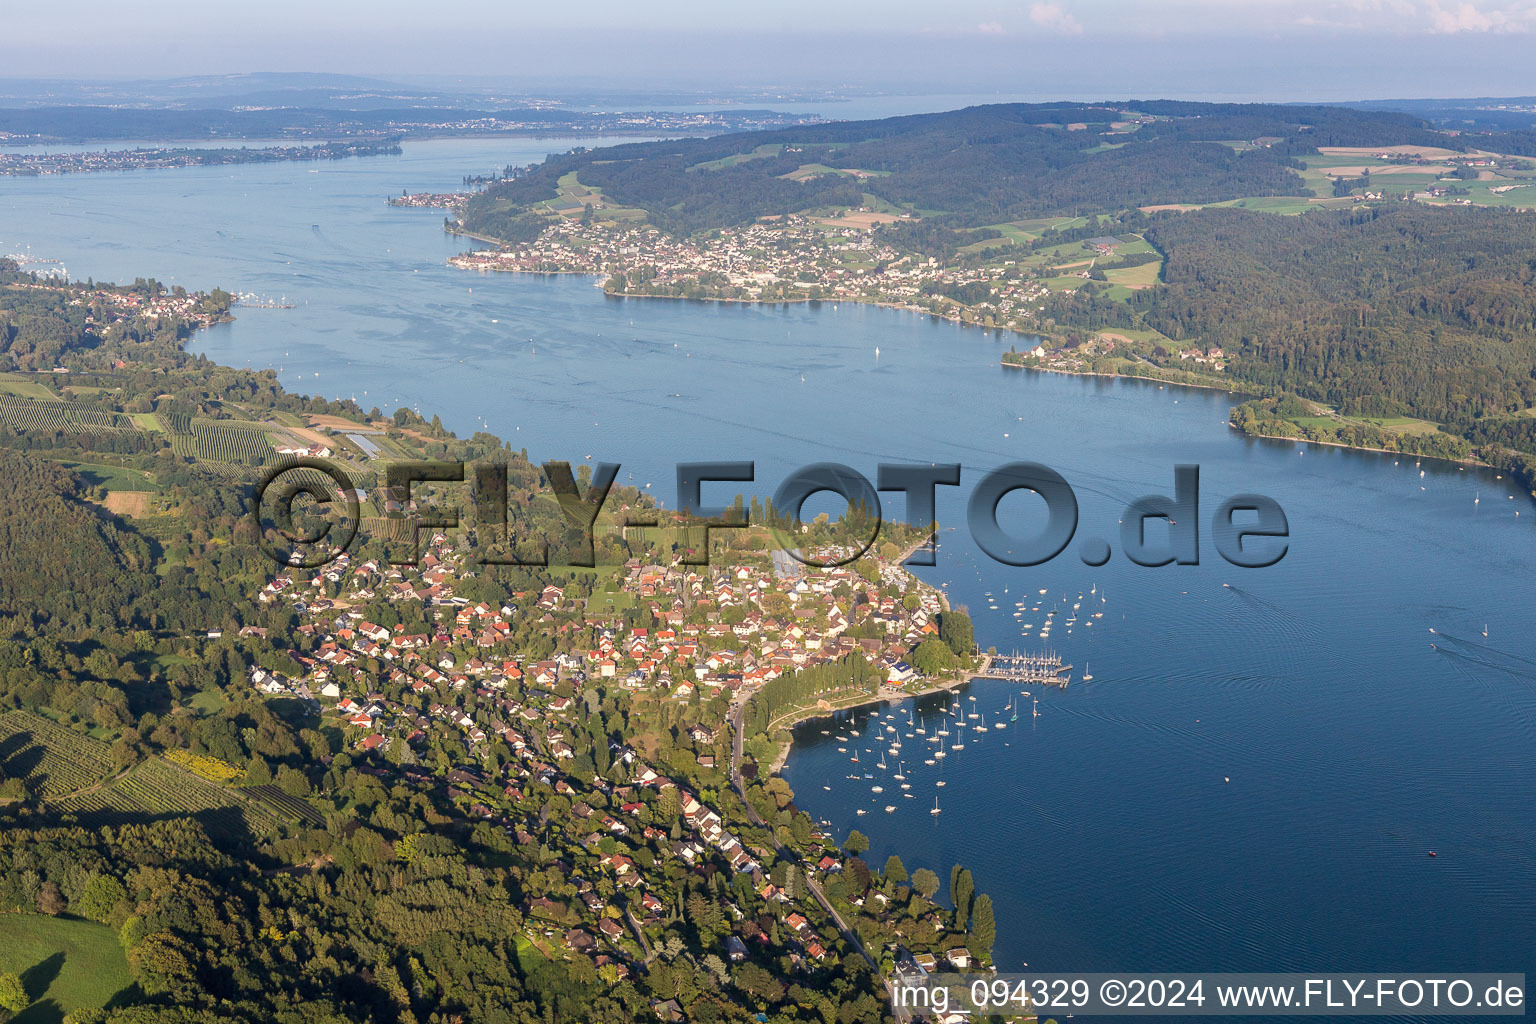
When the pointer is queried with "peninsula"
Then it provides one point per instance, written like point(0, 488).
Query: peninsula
point(158, 158)
point(552, 784)
point(1231, 246)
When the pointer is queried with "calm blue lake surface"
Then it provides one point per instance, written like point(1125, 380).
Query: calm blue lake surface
point(1104, 828)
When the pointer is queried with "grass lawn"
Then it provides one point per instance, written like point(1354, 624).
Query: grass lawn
point(207, 702)
point(988, 243)
point(1039, 225)
point(1403, 424)
point(65, 964)
point(1014, 233)
point(25, 387)
point(1482, 196)
point(1274, 204)
point(113, 478)
point(1144, 276)
point(607, 604)
point(1139, 334)
point(759, 153)
point(1134, 245)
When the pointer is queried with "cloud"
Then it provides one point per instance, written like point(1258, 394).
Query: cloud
point(990, 28)
point(1053, 19)
point(1468, 17)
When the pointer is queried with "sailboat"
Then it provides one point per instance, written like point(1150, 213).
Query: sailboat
point(1037, 707)
point(1087, 677)
point(935, 806)
point(1015, 717)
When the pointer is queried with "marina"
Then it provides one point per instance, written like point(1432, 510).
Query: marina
point(1044, 669)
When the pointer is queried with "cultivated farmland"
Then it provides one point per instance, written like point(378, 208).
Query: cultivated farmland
point(158, 788)
point(52, 760)
point(34, 416)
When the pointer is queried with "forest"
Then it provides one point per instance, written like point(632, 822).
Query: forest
point(977, 166)
point(1405, 310)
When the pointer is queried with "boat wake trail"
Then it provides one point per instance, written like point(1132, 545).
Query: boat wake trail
point(1474, 653)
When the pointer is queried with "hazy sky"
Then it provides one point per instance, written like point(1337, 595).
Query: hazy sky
point(1284, 49)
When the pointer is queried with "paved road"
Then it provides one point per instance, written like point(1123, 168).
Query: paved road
point(849, 935)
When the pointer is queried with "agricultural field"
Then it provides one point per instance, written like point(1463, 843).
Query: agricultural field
point(1064, 283)
point(53, 760)
point(389, 448)
point(1403, 424)
point(22, 386)
point(46, 417)
point(65, 964)
point(112, 478)
point(177, 421)
point(284, 805)
point(1514, 194)
point(1280, 204)
point(1144, 276)
point(133, 504)
point(238, 443)
point(1142, 334)
point(210, 768)
point(736, 158)
point(160, 789)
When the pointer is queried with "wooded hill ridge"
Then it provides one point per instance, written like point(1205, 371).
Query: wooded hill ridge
point(976, 166)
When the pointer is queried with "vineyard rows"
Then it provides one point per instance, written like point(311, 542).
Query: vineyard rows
point(214, 441)
point(225, 443)
point(177, 421)
point(34, 416)
point(56, 761)
point(286, 805)
point(158, 788)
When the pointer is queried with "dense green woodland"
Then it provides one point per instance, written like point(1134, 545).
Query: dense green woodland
point(981, 165)
point(1403, 310)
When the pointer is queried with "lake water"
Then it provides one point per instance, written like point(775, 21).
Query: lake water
point(1104, 829)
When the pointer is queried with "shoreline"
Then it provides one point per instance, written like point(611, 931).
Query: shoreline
point(860, 300)
point(1469, 461)
point(885, 695)
point(1124, 376)
point(1234, 391)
